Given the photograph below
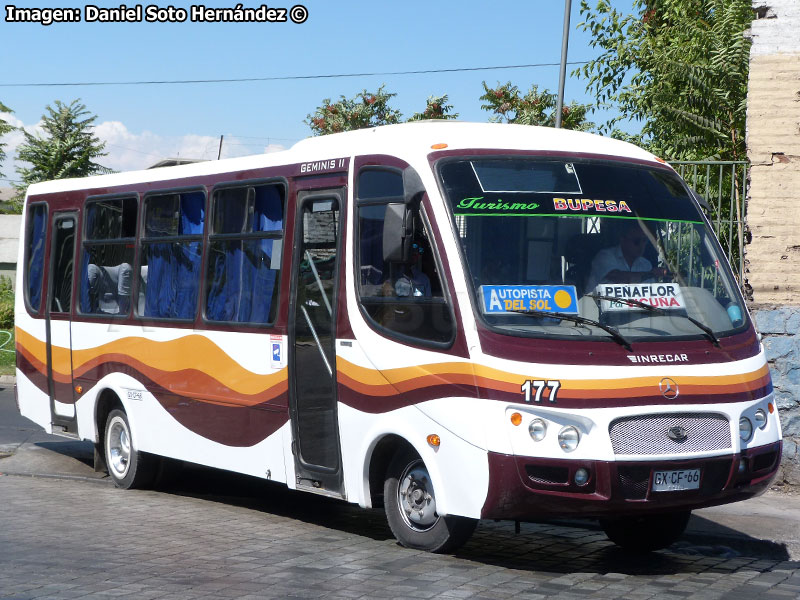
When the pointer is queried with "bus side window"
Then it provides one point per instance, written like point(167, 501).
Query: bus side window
point(107, 257)
point(244, 257)
point(402, 296)
point(36, 231)
point(172, 247)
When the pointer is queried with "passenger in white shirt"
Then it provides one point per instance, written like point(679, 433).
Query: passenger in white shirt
point(624, 262)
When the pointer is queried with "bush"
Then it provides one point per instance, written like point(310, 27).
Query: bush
point(6, 303)
point(6, 315)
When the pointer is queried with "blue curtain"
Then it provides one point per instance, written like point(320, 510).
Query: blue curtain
point(173, 268)
point(242, 282)
point(36, 257)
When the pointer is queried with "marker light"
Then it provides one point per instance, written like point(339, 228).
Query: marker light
point(760, 418)
point(569, 438)
point(516, 419)
point(434, 440)
point(79, 389)
point(439, 146)
point(537, 429)
point(771, 408)
point(581, 476)
point(745, 429)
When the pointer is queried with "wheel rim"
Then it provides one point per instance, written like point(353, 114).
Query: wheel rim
point(416, 498)
point(118, 444)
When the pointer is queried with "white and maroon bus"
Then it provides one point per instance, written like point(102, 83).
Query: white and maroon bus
point(455, 321)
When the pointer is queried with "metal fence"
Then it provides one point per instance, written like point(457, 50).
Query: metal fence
point(724, 185)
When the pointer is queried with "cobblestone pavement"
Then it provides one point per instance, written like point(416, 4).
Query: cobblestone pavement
point(233, 537)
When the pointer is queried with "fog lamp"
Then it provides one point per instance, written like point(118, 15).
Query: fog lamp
point(760, 418)
point(537, 429)
point(569, 438)
point(745, 429)
point(581, 476)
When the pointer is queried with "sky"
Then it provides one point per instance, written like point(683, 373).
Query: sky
point(142, 124)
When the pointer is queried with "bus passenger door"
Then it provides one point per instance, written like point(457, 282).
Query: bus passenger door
point(58, 323)
point(312, 357)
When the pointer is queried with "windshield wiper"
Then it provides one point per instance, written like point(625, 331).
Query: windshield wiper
point(616, 335)
point(630, 302)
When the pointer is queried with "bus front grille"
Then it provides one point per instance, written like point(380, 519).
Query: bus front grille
point(669, 433)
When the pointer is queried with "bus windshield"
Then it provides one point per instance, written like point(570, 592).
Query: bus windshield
point(588, 248)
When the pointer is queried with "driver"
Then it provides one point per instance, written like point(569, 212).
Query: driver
point(624, 262)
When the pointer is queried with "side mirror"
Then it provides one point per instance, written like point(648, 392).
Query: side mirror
point(397, 232)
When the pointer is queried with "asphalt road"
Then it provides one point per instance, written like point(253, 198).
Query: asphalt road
point(66, 532)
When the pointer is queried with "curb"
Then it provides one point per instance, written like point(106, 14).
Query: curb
point(8, 379)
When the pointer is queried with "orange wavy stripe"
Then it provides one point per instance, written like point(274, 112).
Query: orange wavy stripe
point(191, 352)
point(411, 378)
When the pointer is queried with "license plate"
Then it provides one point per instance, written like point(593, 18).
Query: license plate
point(673, 481)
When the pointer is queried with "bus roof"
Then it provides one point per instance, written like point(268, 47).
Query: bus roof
point(406, 141)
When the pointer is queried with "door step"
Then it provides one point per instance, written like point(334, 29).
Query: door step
point(307, 485)
point(61, 430)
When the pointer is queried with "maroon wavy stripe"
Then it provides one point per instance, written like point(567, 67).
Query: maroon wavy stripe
point(381, 404)
point(235, 426)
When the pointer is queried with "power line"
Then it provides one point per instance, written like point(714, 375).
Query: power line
point(285, 77)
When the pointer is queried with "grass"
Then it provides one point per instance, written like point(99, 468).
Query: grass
point(7, 359)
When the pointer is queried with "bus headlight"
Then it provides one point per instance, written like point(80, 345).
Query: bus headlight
point(537, 429)
point(760, 418)
point(569, 438)
point(745, 429)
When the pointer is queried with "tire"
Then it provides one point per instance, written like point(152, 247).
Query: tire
point(410, 504)
point(128, 467)
point(646, 533)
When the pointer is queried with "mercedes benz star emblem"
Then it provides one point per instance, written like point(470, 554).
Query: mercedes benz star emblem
point(669, 389)
point(677, 433)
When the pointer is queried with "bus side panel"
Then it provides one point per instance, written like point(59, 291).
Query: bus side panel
point(212, 398)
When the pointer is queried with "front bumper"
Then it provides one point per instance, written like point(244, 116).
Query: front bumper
point(526, 488)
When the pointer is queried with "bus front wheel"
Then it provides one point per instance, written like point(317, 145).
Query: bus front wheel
point(128, 467)
point(646, 533)
point(410, 503)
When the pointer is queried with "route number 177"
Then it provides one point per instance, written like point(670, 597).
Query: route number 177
point(533, 389)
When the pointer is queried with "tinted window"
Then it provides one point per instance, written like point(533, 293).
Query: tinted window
point(245, 250)
point(402, 295)
point(379, 183)
point(36, 231)
point(171, 255)
point(107, 257)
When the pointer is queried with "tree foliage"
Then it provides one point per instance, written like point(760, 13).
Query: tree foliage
point(509, 105)
point(365, 109)
point(5, 128)
point(67, 150)
point(436, 108)
point(678, 66)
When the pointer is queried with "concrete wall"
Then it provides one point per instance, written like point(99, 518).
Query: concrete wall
point(773, 209)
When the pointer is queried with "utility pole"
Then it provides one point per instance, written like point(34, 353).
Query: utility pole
point(219, 153)
point(563, 75)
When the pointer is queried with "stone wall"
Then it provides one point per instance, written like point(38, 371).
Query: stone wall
point(780, 328)
point(773, 206)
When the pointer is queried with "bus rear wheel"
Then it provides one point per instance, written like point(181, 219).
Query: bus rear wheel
point(410, 504)
point(646, 533)
point(128, 467)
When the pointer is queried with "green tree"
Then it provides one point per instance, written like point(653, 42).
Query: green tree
point(68, 148)
point(365, 109)
point(4, 129)
point(436, 108)
point(679, 67)
point(536, 107)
